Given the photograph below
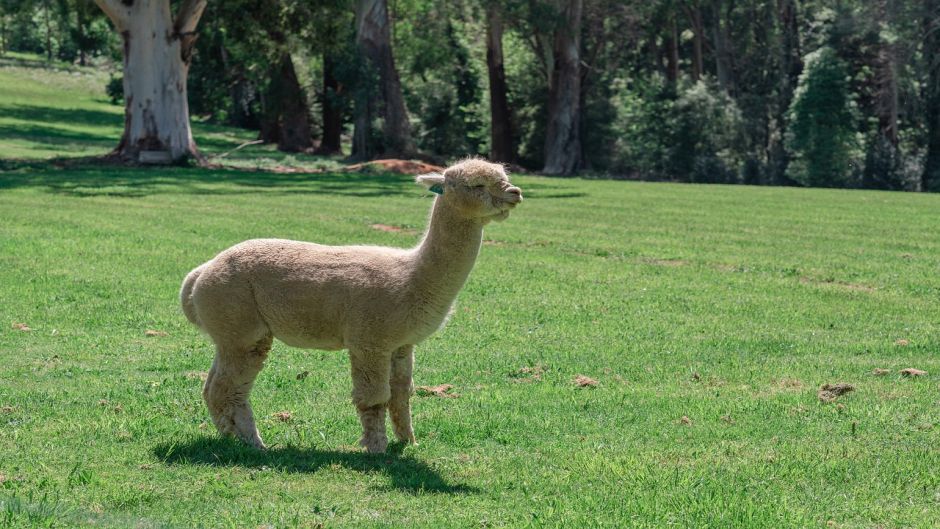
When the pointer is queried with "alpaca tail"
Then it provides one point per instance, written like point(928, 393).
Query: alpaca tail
point(186, 296)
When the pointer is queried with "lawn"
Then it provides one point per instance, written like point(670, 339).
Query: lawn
point(708, 316)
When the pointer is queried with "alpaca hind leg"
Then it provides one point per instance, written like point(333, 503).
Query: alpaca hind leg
point(228, 386)
point(370, 376)
point(402, 387)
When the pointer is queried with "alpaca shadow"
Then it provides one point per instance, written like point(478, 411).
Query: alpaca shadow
point(405, 472)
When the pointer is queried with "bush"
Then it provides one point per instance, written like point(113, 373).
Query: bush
point(115, 89)
point(690, 132)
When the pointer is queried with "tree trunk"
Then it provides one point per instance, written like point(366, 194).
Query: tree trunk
point(672, 51)
point(932, 93)
point(3, 34)
point(286, 114)
point(791, 65)
point(563, 139)
point(887, 80)
point(698, 40)
point(157, 54)
point(48, 20)
point(373, 35)
point(500, 126)
point(81, 22)
point(332, 110)
point(723, 58)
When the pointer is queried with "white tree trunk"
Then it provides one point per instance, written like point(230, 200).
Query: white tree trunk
point(157, 53)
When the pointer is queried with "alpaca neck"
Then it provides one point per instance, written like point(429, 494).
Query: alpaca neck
point(446, 255)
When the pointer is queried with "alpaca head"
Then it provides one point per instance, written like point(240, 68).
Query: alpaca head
point(476, 189)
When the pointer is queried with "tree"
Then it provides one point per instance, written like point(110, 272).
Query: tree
point(501, 149)
point(822, 129)
point(285, 116)
point(373, 36)
point(157, 53)
point(931, 53)
point(563, 140)
point(789, 68)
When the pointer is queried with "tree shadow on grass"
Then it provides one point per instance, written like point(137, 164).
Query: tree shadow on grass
point(79, 180)
point(405, 472)
point(90, 177)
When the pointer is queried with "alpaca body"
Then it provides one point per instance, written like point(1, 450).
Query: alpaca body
point(376, 302)
point(314, 296)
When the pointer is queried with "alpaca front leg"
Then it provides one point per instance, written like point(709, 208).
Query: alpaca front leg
point(370, 376)
point(227, 388)
point(402, 388)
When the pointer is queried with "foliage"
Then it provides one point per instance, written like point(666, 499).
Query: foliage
point(689, 132)
point(822, 134)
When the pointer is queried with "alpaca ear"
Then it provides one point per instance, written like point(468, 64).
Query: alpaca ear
point(433, 181)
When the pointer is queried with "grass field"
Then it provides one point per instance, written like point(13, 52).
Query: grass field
point(708, 315)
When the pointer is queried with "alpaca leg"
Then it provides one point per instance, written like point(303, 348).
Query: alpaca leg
point(370, 376)
point(402, 388)
point(227, 388)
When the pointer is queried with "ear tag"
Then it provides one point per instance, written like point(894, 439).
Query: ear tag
point(437, 188)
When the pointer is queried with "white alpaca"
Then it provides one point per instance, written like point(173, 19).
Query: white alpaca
point(376, 302)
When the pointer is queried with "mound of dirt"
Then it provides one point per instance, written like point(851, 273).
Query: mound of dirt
point(394, 165)
point(830, 392)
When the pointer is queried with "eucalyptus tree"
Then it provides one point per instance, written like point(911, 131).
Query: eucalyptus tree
point(157, 51)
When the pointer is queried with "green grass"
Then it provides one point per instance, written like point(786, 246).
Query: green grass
point(728, 306)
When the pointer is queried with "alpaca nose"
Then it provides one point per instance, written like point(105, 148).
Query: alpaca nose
point(514, 195)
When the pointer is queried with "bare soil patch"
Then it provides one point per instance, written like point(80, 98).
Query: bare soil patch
point(441, 390)
point(831, 392)
point(394, 165)
point(585, 382)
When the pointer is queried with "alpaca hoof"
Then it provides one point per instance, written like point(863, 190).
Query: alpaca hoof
point(406, 437)
point(255, 442)
point(374, 444)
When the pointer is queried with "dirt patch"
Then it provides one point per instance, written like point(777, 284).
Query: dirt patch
point(7, 409)
point(21, 327)
point(913, 373)
point(880, 371)
point(528, 374)
point(152, 332)
point(831, 392)
point(844, 285)
point(442, 390)
point(394, 165)
point(665, 262)
point(685, 420)
point(791, 384)
point(902, 342)
point(585, 382)
point(197, 375)
point(283, 416)
point(392, 229)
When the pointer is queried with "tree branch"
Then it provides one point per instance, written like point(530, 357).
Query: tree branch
point(184, 27)
point(188, 15)
point(116, 11)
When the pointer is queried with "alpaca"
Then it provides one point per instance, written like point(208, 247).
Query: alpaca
point(376, 302)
